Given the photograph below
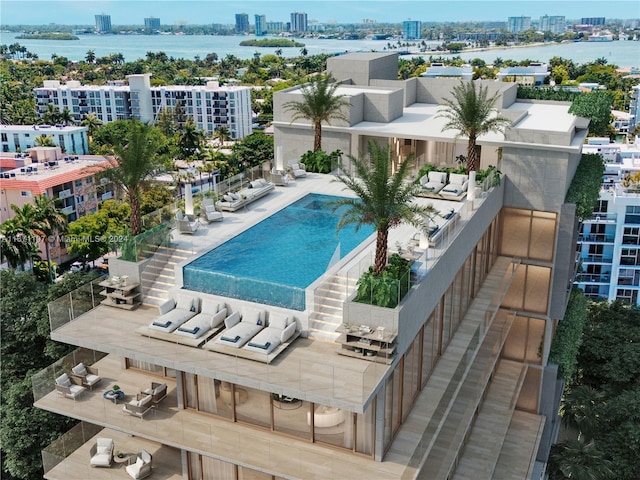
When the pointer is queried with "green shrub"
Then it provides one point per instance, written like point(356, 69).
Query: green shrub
point(388, 288)
point(568, 337)
point(584, 190)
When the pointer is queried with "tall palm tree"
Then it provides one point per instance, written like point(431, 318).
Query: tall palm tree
point(576, 459)
point(92, 122)
point(384, 199)
point(135, 161)
point(223, 134)
point(90, 57)
point(470, 111)
point(42, 220)
point(52, 115)
point(320, 103)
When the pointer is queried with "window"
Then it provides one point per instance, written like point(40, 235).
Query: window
point(80, 200)
point(25, 193)
point(78, 183)
point(632, 214)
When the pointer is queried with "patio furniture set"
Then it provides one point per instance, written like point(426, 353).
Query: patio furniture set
point(435, 184)
point(102, 454)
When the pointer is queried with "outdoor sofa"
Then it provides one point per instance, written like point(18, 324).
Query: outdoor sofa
point(256, 189)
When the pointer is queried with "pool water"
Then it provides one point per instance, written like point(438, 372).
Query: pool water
point(274, 261)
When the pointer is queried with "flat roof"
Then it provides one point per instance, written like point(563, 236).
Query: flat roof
point(42, 129)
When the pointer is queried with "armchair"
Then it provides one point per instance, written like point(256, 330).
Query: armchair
point(101, 453)
point(187, 226)
point(157, 391)
point(68, 386)
point(297, 169)
point(279, 178)
point(142, 466)
point(140, 406)
point(87, 375)
point(209, 212)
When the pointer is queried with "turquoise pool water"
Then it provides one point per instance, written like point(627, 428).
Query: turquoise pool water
point(274, 261)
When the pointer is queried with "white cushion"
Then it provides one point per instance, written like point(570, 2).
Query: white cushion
point(294, 166)
point(288, 332)
point(80, 370)
point(63, 380)
point(218, 317)
point(184, 302)
point(277, 321)
point(145, 400)
point(235, 196)
point(209, 305)
point(139, 462)
point(227, 198)
point(232, 320)
point(257, 318)
point(457, 178)
point(104, 442)
point(438, 177)
point(103, 450)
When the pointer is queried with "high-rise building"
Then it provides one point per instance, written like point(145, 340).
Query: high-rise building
point(209, 106)
point(261, 25)
point(411, 29)
point(594, 21)
point(518, 24)
point(152, 24)
point(454, 381)
point(242, 23)
point(298, 22)
point(556, 24)
point(103, 23)
point(275, 27)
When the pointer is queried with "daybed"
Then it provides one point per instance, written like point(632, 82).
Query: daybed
point(157, 391)
point(87, 375)
point(175, 312)
point(298, 169)
point(235, 200)
point(433, 182)
point(142, 466)
point(101, 452)
point(241, 328)
point(68, 386)
point(208, 211)
point(140, 406)
point(212, 316)
point(457, 186)
point(279, 331)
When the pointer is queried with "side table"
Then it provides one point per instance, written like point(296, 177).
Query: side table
point(125, 459)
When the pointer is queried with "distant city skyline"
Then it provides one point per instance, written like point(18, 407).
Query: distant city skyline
point(199, 12)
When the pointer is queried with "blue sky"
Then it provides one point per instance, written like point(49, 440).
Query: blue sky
point(38, 12)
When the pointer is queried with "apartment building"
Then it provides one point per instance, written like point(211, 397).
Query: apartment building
point(261, 25)
point(298, 22)
point(242, 23)
point(518, 24)
point(103, 23)
point(609, 242)
point(556, 24)
point(634, 111)
point(210, 106)
point(411, 30)
point(151, 24)
point(464, 388)
point(20, 138)
point(440, 70)
point(534, 74)
point(64, 178)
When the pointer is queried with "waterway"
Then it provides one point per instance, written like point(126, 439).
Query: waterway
point(133, 47)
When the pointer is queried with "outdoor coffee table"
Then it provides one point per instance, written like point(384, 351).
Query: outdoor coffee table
point(113, 395)
point(125, 459)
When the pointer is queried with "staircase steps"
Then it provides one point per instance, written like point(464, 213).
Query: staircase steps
point(159, 276)
point(327, 314)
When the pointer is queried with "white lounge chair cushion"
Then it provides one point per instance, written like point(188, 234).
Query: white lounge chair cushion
point(232, 320)
point(288, 332)
point(209, 305)
point(227, 198)
point(186, 302)
point(63, 380)
point(80, 370)
point(437, 177)
point(257, 318)
point(234, 196)
point(218, 318)
point(142, 402)
point(139, 462)
point(277, 321)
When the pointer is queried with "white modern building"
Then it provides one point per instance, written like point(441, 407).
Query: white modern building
point(609, 243)
point(103, 23)
point(20, 138)
point(440, 70)
point(261, 25)
point(298, 22)
point(211, 106)
point(411, 30)
point(555, 24)
point(532, 75)
point(518, 24)
point(634, 110)
point(455, 382)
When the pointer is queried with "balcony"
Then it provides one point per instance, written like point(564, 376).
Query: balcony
point(64, 194)
point(68, 210)
point(593, 278)
point(596, 238)
point(106, 196)
point(597, 258)
point(602, 217)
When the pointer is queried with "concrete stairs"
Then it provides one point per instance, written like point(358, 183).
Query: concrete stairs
point(327, 314)
point(159, 275)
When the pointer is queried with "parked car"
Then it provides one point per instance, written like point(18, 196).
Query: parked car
point(76, 267)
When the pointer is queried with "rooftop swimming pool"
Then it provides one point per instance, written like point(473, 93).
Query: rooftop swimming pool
point(274, 261)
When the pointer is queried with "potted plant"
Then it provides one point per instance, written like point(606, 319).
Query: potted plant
point(116, 388)
point(119, 454)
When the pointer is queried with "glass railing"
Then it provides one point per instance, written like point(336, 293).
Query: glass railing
point(68, 443)
point(43, 382)
point(67, 308)
point(593, 278)
point(596, 237)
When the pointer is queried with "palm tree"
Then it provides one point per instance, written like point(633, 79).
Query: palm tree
point(42, 220)
point(66, 117)
point(384, 199)
point(90, 56)
point(136, 160)
point(576, 459)
point(52, 115)
point(470, 112)
point(223, 134)
point(15, 245)
point(580, 410)
point(320, 103)
point(44, 141)
point(92, 122)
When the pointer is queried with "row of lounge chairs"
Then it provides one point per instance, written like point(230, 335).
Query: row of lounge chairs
point(211, 324)
point(436, 184)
